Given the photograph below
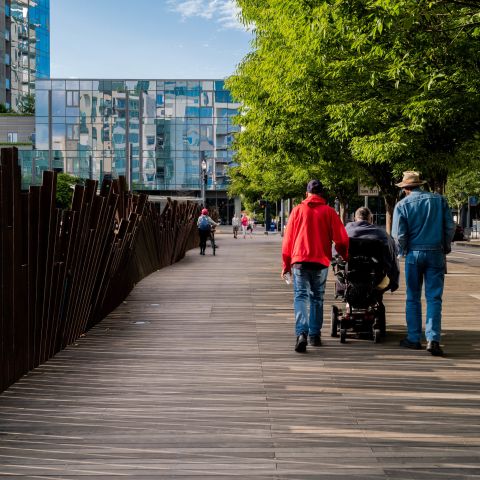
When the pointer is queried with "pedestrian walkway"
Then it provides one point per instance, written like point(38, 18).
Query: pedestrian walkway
point(195, 377)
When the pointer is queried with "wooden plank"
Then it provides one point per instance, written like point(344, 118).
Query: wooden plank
point(195, 376)
point(53, 262)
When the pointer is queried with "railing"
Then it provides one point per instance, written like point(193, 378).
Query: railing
point(62, 271)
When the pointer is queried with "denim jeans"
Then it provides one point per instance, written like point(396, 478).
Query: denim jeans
point(428, 265)
point(308, 289)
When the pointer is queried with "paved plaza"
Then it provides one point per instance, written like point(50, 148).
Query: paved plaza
point(195, 377)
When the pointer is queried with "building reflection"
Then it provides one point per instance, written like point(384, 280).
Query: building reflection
point(154, 132)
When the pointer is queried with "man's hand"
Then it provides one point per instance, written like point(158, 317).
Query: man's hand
point(284, 272)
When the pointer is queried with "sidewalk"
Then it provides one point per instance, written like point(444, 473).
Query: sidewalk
point(474, 242)
point(195, 377)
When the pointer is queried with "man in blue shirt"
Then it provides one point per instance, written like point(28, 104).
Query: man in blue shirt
point(423, 229)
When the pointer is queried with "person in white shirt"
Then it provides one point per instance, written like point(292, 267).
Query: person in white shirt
point(235, 225)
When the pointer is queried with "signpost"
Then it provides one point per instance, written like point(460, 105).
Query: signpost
point(366, 192)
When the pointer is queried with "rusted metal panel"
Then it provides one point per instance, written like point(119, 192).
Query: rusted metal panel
point(63, 271)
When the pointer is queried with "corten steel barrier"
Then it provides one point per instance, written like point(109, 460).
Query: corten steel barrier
point(62, 271)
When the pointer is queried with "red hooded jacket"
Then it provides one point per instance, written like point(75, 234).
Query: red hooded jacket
point(311, 229)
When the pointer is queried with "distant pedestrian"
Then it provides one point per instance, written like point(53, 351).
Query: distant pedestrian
point(250, 227)
point(307, 250)
point(205, 225)
point(244, 224)
point(235, 225)
point(423, 228)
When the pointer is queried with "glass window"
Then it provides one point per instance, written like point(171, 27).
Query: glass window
point(206, 137)
point(219, 85)
point(72, 84)
point(12, 137)
point(58, 135)
point(73, 132)
point(207, 85)
point(193, 112)
point(223, 96)
point(193, 84)
point(58, 102)
point(72, 111)
point(58, 84)
point(41, 103)
point(206, 99)
point(206, 112)
point(43, 85)
point(169, 87)
point(86, 85)
point(118, 85)
point(41, 137)
point(73, 98)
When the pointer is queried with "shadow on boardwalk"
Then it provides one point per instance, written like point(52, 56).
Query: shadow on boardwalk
point(195, 377)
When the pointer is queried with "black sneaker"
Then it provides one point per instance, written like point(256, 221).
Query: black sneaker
point(434, 348)
point(301, 345)
point(314, 340)
point(406, 343)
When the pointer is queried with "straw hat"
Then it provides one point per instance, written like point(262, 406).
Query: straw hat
point(410, 179)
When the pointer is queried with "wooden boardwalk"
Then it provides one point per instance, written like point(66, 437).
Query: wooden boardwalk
point(195, 377)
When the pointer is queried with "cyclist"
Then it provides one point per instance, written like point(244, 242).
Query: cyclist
point(205, 225)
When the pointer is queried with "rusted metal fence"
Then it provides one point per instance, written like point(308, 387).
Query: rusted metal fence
point(62, 271)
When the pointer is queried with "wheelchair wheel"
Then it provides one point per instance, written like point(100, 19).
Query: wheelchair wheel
point(214, 245)
point(377, 335)
point(334, 322)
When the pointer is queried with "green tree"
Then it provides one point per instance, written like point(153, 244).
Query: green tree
point(373, 87)
point(27, 104)
point(460, 186)
point(65, 186)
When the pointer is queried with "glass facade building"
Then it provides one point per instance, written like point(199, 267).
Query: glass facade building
point(24, 50)
point(156, 133)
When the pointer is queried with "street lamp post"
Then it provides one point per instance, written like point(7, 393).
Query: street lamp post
point(203, 180)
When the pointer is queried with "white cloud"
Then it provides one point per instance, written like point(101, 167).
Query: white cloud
point(224, 12)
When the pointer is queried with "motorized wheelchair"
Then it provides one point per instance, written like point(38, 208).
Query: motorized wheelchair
point(360, 283)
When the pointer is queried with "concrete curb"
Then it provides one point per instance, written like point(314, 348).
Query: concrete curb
point(474, 243)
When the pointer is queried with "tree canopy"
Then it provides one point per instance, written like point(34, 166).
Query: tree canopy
point(361, 88)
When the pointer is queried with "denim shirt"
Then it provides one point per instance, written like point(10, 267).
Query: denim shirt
point(423, 221)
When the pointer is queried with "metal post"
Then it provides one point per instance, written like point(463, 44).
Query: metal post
point(469, 220)
point(282, 216)
point(128, 145)
point(366, 201)
point(204, 179)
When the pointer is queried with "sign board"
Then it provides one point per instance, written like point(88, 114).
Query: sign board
point(365, 191)
point(473, 201)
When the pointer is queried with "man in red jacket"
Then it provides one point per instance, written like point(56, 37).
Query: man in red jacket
point(307, 251)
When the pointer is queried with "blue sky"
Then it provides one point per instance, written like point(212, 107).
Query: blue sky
point(145, 38)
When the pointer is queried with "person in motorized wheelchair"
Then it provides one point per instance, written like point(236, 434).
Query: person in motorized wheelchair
point(371, 270)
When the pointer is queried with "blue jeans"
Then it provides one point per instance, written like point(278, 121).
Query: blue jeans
point(308, 289)
point(428, 265)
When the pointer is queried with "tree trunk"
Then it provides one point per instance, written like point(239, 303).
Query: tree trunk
point(343, 211)
point(390, 202)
